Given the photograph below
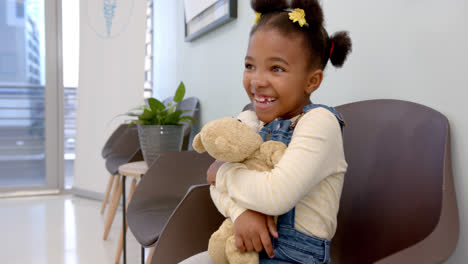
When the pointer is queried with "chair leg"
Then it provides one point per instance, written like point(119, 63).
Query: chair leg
point(121, 238)
point(106, 196)
point(115, 188)
point(113, 208)
point(150, 255)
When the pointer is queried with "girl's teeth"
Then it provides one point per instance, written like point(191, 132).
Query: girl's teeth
point(263, 99)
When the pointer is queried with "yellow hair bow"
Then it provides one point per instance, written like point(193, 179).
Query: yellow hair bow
point(258, 16)
point(298, 15)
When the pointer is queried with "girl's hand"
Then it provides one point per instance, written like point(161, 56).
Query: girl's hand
point(212, 171)
point(252, 232)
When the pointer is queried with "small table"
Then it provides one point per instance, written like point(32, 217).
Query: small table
point(136, 170)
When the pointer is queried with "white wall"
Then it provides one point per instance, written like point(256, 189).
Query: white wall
point(211, 66)
point(409, 50)
point(110, 83)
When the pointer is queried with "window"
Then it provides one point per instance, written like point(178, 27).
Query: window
point(148, 86)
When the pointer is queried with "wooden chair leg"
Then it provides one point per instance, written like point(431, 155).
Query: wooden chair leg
point(150, 255)
point(115, 188)
point(108, 190)
point(121, 238)
point(113, 208)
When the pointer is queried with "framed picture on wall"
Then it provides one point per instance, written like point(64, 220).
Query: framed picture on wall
point(202, 16)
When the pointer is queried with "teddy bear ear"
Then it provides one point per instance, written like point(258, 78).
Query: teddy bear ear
point(197, 144)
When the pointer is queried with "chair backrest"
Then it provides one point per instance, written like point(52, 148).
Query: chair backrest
point(398, 156)
point(161, 189)
point(192, 106)
point(113, 139)
point(248, 106)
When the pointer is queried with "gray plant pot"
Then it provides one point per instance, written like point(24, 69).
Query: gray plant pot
point(157, 139)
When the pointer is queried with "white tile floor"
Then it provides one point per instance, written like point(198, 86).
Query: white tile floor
point(62, 229)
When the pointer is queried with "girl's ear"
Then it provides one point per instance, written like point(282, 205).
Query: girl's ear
point(314, 81)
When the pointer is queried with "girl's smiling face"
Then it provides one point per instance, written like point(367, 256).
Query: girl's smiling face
point(277, 77)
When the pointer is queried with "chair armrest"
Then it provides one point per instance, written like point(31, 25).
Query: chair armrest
point(189, 228)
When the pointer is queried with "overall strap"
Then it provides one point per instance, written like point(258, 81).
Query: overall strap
point(337, 114)
point(282, 130)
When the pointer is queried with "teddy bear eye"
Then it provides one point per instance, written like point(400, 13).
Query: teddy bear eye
point(239, 120)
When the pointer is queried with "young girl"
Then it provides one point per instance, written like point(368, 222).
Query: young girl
point(288, 51)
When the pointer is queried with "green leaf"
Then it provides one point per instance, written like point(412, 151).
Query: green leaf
point(188, 119)
point(171, 107)
point(173, 118)
point(146, 115)
point(180, 92)
point(155, 105)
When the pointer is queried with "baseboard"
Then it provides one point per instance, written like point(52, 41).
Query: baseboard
point(87, 194)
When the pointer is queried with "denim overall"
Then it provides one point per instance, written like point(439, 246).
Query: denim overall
point(294, 246)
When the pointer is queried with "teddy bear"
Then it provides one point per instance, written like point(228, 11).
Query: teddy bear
point(236, 140)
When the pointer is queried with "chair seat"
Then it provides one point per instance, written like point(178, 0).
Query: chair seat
point(153, 216)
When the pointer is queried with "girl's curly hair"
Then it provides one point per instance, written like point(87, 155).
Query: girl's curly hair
point(316, 39)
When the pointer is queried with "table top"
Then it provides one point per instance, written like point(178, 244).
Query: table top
point(133, 169)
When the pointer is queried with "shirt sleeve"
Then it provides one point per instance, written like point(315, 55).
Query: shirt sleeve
point(226, 206)
point(315, 152)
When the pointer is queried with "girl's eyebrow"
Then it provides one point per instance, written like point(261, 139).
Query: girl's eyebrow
point(278, 59)
point(272, 59)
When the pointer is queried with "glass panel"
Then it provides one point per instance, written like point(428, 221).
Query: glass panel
point(70, 43)
point(22, 80)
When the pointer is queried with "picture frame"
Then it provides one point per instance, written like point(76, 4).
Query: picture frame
point(216, 15)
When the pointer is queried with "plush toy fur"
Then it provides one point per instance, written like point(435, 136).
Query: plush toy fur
point(232, 140)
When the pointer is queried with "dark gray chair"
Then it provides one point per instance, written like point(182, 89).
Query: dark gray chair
point(398, 203)
point(166, 181)
point(122, 147)
point(160, 190)
point(119, 149)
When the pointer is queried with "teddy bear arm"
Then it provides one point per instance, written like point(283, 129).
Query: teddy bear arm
point(217, 242)
point(234, 256)
point(272, 151)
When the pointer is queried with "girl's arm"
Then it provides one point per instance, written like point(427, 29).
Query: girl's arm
point(226, 206)
point(315, 152)
point(252, 229)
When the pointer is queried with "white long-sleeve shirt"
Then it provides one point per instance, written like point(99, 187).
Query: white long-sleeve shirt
point(309, 177)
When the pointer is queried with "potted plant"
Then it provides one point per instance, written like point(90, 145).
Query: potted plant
point(160, 126)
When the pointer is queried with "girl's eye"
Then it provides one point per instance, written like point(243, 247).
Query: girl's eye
point(278, 69)
point(249, 66)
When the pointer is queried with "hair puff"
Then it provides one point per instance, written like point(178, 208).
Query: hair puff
point(268, 6)
point(342, 47)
